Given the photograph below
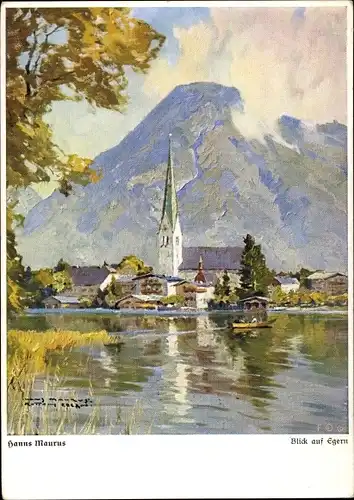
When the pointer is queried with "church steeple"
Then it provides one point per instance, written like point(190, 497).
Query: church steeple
point(200, 277)
point(170, 203)
point(170, 235)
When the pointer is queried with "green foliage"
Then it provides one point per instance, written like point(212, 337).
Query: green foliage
point(278, 297)
point(86, 302)
point(43, 277)
point(337, 300)
point(246, 264)
point(110, 299)
point(35, 284)
point(173, 299)
point(131, 264)
point(16, 294)
point(304, 297)
point(115, 288)
point(89, 63)
point(97, 46)
point(62, 281)
point(255, 275)
point(218, 290)
point(112, 293)
point(59, 281)
point(225, 286)
point(223, 290)
point(302, 276)
point(234, 296)
point(62, 266)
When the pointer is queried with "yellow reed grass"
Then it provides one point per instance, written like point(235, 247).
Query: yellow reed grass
point(27, 350)
point(27, 357)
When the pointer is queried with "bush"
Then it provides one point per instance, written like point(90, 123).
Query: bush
point(306, 297)
point(173, 300)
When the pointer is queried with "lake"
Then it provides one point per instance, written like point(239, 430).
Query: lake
point(191, 375)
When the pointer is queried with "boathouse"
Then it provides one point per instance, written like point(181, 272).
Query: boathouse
point(255, 304)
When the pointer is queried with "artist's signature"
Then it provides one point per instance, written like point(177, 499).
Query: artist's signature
point(59, 402)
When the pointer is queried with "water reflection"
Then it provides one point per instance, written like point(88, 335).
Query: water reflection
point(175, 375)
point(198, 377)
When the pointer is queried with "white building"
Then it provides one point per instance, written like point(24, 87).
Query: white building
point(170, 234)
point(287, 284)
point(176, 260)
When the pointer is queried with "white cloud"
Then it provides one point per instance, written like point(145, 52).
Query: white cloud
point(280, 63)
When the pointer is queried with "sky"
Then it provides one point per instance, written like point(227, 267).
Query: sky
point(282, 60)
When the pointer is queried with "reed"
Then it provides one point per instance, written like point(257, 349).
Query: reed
point(27, 350)
point(27, 357)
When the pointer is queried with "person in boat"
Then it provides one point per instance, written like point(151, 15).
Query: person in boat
point(254, 320)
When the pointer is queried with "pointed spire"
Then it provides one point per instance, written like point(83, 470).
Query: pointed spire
point(200, 277)
point(170, 204)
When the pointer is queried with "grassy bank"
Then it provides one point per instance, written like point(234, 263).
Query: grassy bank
point(27, 357)
point(27, 350)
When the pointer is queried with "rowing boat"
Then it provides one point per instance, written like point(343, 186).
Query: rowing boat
point(248, 326)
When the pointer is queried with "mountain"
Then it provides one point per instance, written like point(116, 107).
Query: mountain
point(26, 200)
point(288, 190)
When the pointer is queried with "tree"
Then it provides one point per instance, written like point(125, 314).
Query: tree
point(113, 292)
point(130, 264)
point(246, 264)
point(16, 295)
point(234, 295)
point(218, 291)
point(303, 274)
point(318, 298)
point(62, 281)
point(115, 288)
point(225, 286)
point(61, 266)
point(44, 277)
point(62, 54)
point(278, 297)
point(173, 299)
point(255, 275)
point(43, 283)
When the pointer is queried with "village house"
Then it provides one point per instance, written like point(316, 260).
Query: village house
point(139, 301)
point(125, 281)
point(197, 293)
point(156, 284)
point(286, 283)
point(86, 281)
point(61, 301)
point(332, 283)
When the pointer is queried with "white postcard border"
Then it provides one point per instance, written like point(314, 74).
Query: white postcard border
point(227, 466)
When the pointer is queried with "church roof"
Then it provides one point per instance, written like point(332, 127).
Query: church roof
point(213, 258)
point(170, 204)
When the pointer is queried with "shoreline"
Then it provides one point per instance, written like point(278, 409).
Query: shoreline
point(200, 312)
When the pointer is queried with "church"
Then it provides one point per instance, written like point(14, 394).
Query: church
point(206, 263)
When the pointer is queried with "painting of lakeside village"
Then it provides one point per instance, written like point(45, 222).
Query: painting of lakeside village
point(176, 183)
